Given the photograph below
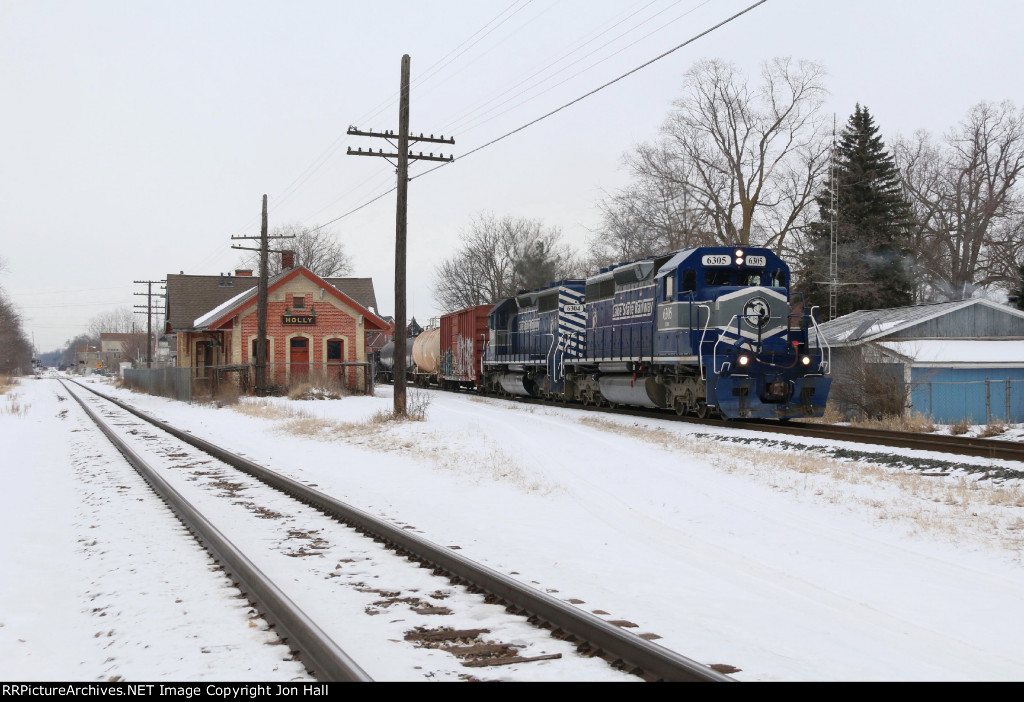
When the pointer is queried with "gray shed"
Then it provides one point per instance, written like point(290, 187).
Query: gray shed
point(957, 360)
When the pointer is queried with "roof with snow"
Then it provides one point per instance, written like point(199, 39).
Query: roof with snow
point(925, 352)
point(192, 296)
point(963, 319)
point(219, 314)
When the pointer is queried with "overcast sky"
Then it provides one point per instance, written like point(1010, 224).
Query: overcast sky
point(138, 137)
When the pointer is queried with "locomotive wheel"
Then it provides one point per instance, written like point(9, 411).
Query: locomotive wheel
point(702, 410)
point(680, 407)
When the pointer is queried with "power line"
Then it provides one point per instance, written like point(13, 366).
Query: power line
point(551, 63)
point(602, 87)
point(566, 105)
point(580, 72)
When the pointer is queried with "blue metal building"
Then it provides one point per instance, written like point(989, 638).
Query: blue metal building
point(956, 360)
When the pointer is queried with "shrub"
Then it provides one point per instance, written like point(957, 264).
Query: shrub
point(961, 427)
point(994, 428)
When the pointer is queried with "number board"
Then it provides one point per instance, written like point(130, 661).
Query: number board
point(716, 260)
point(757, 261)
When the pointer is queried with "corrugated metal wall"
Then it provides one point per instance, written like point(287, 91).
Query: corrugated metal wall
point(980, 395)
point(974, 322)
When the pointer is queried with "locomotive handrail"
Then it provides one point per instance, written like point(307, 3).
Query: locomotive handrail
point(739, 334)
point(700, 347)
point(824, 366)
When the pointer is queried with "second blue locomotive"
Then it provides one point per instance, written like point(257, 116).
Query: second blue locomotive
point(705, 331)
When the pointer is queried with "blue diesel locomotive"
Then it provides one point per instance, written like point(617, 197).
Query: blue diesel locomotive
point(704, 331)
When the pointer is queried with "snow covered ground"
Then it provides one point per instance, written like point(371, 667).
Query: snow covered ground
point(788, 562)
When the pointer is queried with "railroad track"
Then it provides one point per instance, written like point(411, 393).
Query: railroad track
point(258, 492)
point(959, 445)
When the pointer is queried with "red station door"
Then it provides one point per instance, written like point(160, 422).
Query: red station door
point(299, 359)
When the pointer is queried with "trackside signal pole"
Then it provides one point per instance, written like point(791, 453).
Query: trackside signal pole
point(402, 158)
point(261, 299)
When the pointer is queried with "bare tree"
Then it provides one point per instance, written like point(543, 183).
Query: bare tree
point(119, 321)
point(69, 356)
point(967, 198)
point(499, 257)
point(134, 348)
point(15, 348)
point(867, 384)
point(649, 217)
point(740, 160)
point(317, 249)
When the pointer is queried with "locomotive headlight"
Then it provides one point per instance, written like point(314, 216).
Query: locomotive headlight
point(739, 261)
point(743, 360)
point(806, 360)
point(739, 253)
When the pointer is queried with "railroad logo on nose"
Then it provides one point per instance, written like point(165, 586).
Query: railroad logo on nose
point(756, 312)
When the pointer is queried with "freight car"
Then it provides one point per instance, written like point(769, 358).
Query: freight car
point(462, 340)
point(706, 331)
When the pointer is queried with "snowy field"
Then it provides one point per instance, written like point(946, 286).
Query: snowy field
point(788, 561)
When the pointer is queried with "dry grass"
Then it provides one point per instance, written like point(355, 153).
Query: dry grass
point(417, 402)
point(959, 509)
point(7, 382)
point(914, 422)
point(961, 427)
point(267, 409)
point(13, 405)
point(994, 428)
point(309, 391)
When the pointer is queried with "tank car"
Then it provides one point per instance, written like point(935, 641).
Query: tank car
point(426, 353)
point(386, 361)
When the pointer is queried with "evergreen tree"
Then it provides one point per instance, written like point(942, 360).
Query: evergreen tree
point(873, 221)
point(1017, 296)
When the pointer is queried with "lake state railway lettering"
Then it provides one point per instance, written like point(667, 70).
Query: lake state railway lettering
point(633, 308)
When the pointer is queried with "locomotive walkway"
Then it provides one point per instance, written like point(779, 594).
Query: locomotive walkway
point(309, 617)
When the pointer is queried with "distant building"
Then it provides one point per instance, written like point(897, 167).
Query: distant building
point(956, 360)
point(113, 349)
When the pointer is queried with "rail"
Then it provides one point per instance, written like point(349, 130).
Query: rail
point(631, 652)
point(318, 650)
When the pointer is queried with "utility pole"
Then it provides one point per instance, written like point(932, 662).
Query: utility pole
point(833, 256)
point(261, 299)
point(149, 315)
point(402, 156)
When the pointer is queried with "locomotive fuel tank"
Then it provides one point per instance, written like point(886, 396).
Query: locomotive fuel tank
point(629, 390)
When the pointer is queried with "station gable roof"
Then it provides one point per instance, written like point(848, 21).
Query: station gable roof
point(232, 306)
point(192, 296)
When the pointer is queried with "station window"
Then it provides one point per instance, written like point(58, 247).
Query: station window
point(266, 346)
point(298, 302)
point(335, 350)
